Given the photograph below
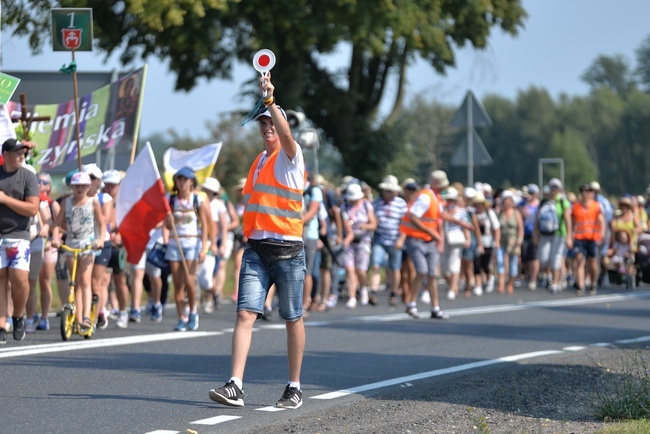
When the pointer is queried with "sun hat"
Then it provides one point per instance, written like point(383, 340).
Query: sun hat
point(111, 177)
point(186, 172)
point(625, 201)
point(480, 198)
point(595, 186)
point(240, 184)
point(353, 192)
point(439, 179)
point(640, 199)
point(449, 193)
point(211, 184)
point(93, 170)
point(80, 178)
point(390, 183)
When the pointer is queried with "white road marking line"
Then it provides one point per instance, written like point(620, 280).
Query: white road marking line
point(575, 348)
point(436, 373)
point(601, 344)
point(162, 431)
point(100, 343)
point(215, 420)
point(270, 409)
point(633, 341)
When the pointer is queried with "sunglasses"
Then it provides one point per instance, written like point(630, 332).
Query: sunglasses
point(93, 177)
point(43, 182)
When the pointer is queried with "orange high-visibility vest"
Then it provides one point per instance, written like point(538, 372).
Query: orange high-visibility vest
point(271, 206)
point(429, 219)
point(586, 225)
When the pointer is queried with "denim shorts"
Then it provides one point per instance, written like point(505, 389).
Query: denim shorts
point(380, 252)
point(258, 274)
point(104, 256)
point(588, 248)
point(190, 253)
point(425, 256)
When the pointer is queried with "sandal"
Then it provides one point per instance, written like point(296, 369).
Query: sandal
point(86, 325)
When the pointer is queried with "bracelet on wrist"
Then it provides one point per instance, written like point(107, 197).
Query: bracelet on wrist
point(268, 101)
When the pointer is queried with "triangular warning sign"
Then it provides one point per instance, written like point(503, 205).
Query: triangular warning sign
point(479, 117)
point(480, 155)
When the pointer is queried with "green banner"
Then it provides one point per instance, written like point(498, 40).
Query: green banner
point(108, 117)
point(8, 85)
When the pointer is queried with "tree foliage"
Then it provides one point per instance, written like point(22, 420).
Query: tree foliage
point(203, 38)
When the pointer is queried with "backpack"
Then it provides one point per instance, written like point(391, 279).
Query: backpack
point(547, 218)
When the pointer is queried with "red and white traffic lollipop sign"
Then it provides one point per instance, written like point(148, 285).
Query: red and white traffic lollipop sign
point(264, 61)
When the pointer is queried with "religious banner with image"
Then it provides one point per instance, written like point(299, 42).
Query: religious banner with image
point(108, 117)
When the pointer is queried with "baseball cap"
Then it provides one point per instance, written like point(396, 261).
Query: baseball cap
point(555, 183)
point(470, 192)
point(80, 178)
point(533, 189)
point(450, 193)
point(265, 112)
point(93, 170)
point(112, 177)
point(11, 145)
point(186, 172)
point(586, 187)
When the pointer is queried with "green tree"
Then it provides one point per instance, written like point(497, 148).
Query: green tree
point(569, 145)
point(203, 38)
point(643, 63)
point(612, 72)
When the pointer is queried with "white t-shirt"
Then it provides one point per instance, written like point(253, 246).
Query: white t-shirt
point(217, 206)
point(288, 172)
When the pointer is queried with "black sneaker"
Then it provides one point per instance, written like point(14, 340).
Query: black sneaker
point(291, 398)
point(372, 298)
point(102, 321)
point(3, 336)
point(19, 327)
point(438, 314)
point(229, 394)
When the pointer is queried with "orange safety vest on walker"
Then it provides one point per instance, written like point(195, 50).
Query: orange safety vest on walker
point(271, 206)
point(429, 219)
point(586, 225)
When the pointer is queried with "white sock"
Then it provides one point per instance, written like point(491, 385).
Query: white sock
point(295, 384)
point(238, 382)
point(435, 309)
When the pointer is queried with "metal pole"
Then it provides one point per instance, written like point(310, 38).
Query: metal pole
point(470, 139)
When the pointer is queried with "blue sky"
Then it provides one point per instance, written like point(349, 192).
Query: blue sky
point(560, 40)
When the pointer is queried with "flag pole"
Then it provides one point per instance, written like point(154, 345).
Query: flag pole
point(76, 112)
point(178, 243)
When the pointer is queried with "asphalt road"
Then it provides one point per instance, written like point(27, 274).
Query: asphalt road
point(149, 379)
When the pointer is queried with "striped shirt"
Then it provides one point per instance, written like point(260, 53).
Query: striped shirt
point(389, 216)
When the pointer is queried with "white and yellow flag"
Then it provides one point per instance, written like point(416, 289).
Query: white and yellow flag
point(201, 160)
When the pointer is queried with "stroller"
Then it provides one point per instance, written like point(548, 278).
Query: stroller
point(620, 261)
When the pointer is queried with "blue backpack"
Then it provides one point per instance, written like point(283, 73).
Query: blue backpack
point(548, 221)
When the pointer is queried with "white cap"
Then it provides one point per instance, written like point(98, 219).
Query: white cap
point(112, 177)
point(449, 193)
point(470, 193)
point(80, 178)
point(93, 169)
point(555, 183)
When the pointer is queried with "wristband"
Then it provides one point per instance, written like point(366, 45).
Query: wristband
point(268, 101)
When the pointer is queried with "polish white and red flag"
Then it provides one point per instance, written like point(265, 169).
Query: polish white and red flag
point(141, 204)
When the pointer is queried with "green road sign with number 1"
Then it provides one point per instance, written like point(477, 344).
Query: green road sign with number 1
point(8, 85)
point(72, 29)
